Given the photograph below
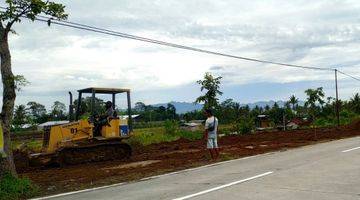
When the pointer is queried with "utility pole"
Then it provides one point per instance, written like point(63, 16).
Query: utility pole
point(337, 109)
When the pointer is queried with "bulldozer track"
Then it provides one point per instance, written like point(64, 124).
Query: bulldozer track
point(115, 150)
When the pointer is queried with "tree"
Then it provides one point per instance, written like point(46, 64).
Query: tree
point(293, 101)
point(16, 9)
point(36, 109)
point(140, 107)
point(355, 103)
point(37, 112)
point(19, 116)
point(315, 96)
point(228, 111)
point(171, 111)
point(276, 114)
point(85, 107)
point(267, 108)
point(212, 85)
point(58, 110)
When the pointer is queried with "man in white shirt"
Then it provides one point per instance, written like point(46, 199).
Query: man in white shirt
point(211, 128)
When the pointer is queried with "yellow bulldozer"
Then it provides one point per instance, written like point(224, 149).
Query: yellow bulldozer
point(77, 141)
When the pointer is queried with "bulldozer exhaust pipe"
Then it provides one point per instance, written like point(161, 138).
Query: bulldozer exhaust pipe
point(71, 107)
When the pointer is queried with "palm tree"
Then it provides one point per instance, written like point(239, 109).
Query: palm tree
point(293, 101)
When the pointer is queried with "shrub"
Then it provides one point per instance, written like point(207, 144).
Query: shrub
point(244, 125)
point(190, 135)
point(346, 117)
point(323, 122)
point(12, 188)
point(171, 127)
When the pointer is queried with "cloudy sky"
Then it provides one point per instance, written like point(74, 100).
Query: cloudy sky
point(318, 33)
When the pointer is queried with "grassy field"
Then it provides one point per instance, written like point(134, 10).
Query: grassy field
point(147, 136)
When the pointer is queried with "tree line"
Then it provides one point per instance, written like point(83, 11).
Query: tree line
point(317, 109)
point(35, 113)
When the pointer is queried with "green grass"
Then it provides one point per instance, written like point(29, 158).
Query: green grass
point(147, 136)
point(12, 188)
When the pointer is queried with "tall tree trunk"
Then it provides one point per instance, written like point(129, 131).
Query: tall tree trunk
point(6, 163)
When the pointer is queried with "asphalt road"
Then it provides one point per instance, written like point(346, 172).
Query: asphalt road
point(324, 171)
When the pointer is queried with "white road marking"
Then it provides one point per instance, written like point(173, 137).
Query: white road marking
point(350, 149)
point(147, 178)
point(79, 191)
point(223, 186)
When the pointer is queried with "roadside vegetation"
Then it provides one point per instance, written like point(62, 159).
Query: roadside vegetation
point(12, 188)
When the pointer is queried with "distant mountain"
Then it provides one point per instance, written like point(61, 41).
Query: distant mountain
point(183, 107)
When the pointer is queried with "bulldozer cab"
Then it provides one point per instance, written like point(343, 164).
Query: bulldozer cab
point(116, 124)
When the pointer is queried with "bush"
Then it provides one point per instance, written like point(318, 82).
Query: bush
point(171, 127)
point(12, 188)
point(244, 126)
point(190, 135)
point(323, 122)
point(226, 130)
point(346, 117)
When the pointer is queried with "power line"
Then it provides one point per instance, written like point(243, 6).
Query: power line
point(159, 42)
point(124, 35)
point(353, 77)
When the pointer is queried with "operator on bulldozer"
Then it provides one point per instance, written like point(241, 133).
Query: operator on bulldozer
point(104, 119)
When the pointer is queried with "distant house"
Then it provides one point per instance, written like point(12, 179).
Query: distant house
point(292, 125)
point(263, 122)
point(297, 122)
point(50, 123)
